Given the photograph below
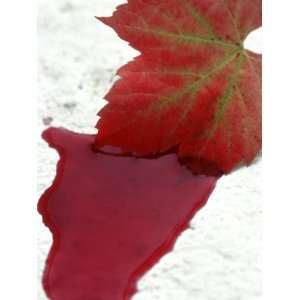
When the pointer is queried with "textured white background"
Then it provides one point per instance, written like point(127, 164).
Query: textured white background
point(218, 258)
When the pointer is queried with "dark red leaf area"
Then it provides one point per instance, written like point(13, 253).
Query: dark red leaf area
point(194, 86)
point(112, 217)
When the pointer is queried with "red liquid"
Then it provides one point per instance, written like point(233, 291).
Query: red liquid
point(112, 217)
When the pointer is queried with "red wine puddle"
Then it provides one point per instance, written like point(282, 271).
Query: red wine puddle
point(112, 218)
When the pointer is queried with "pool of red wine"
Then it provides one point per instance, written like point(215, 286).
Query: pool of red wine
point(112, 218)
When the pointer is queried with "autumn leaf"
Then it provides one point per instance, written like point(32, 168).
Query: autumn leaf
point(194, 86)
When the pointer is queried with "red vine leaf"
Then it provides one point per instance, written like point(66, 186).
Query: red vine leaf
point(193, 85)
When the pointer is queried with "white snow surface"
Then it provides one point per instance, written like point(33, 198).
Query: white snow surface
point(218, 257)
